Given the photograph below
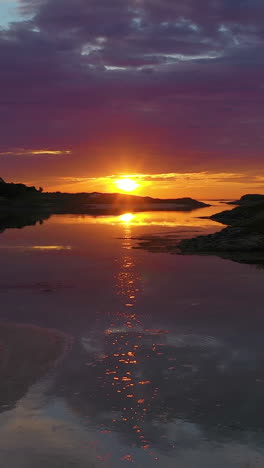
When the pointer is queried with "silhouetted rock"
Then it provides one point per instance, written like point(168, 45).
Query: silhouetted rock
point(105, 203)
point(242, 241)
point(234, 239)
point(15, 190)
point(248, 199)
point(244, 215)
point(252, 198)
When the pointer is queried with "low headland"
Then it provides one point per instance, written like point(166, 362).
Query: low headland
point(21, 205)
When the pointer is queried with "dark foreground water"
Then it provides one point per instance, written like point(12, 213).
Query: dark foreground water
point(162, 361)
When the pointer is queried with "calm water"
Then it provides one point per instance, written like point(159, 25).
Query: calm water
point(166, 366)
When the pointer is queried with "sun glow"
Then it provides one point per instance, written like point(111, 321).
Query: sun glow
point(127, 184)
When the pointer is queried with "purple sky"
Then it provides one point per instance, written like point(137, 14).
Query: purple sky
point(148, 86)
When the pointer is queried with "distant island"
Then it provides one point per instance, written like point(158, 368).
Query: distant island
point(20, 197)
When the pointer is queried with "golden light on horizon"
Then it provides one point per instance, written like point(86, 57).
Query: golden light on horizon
point(127, 184)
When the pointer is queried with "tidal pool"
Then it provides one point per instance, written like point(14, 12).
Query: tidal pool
point(128, 358)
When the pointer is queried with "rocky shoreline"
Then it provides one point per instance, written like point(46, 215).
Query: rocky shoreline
point(234, 239)
point(233, 243)
point(242, 240)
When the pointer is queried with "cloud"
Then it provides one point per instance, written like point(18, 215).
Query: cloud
point(169, 179)
point(201, 185)
point(34, 152)
point(161, 84)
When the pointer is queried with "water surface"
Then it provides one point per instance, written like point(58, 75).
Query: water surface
point(161, 356)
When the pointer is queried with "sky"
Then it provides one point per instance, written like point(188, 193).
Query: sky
point(167, 91)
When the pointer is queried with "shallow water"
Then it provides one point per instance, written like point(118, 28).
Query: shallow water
point(165, 361)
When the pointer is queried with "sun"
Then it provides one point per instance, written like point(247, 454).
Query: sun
point(127, 184)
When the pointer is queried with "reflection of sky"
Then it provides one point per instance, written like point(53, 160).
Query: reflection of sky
point(167, 369)
point(166, 219)
point(159, 390)
point(49, 440)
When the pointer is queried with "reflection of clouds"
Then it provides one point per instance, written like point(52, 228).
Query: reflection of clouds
point(41, 441)
point(39, 248)
point(162, 392)
point(158, 392)
point(179, 340)
point(27, 353)
point(91, 345)
point(29, 440)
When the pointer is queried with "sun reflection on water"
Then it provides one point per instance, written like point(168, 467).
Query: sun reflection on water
point(132, 365)
point(127, 217)
point(166, 219)
point(129, 362)
point(125, 336)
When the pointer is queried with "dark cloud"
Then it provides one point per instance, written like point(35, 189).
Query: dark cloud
point(178, 85)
